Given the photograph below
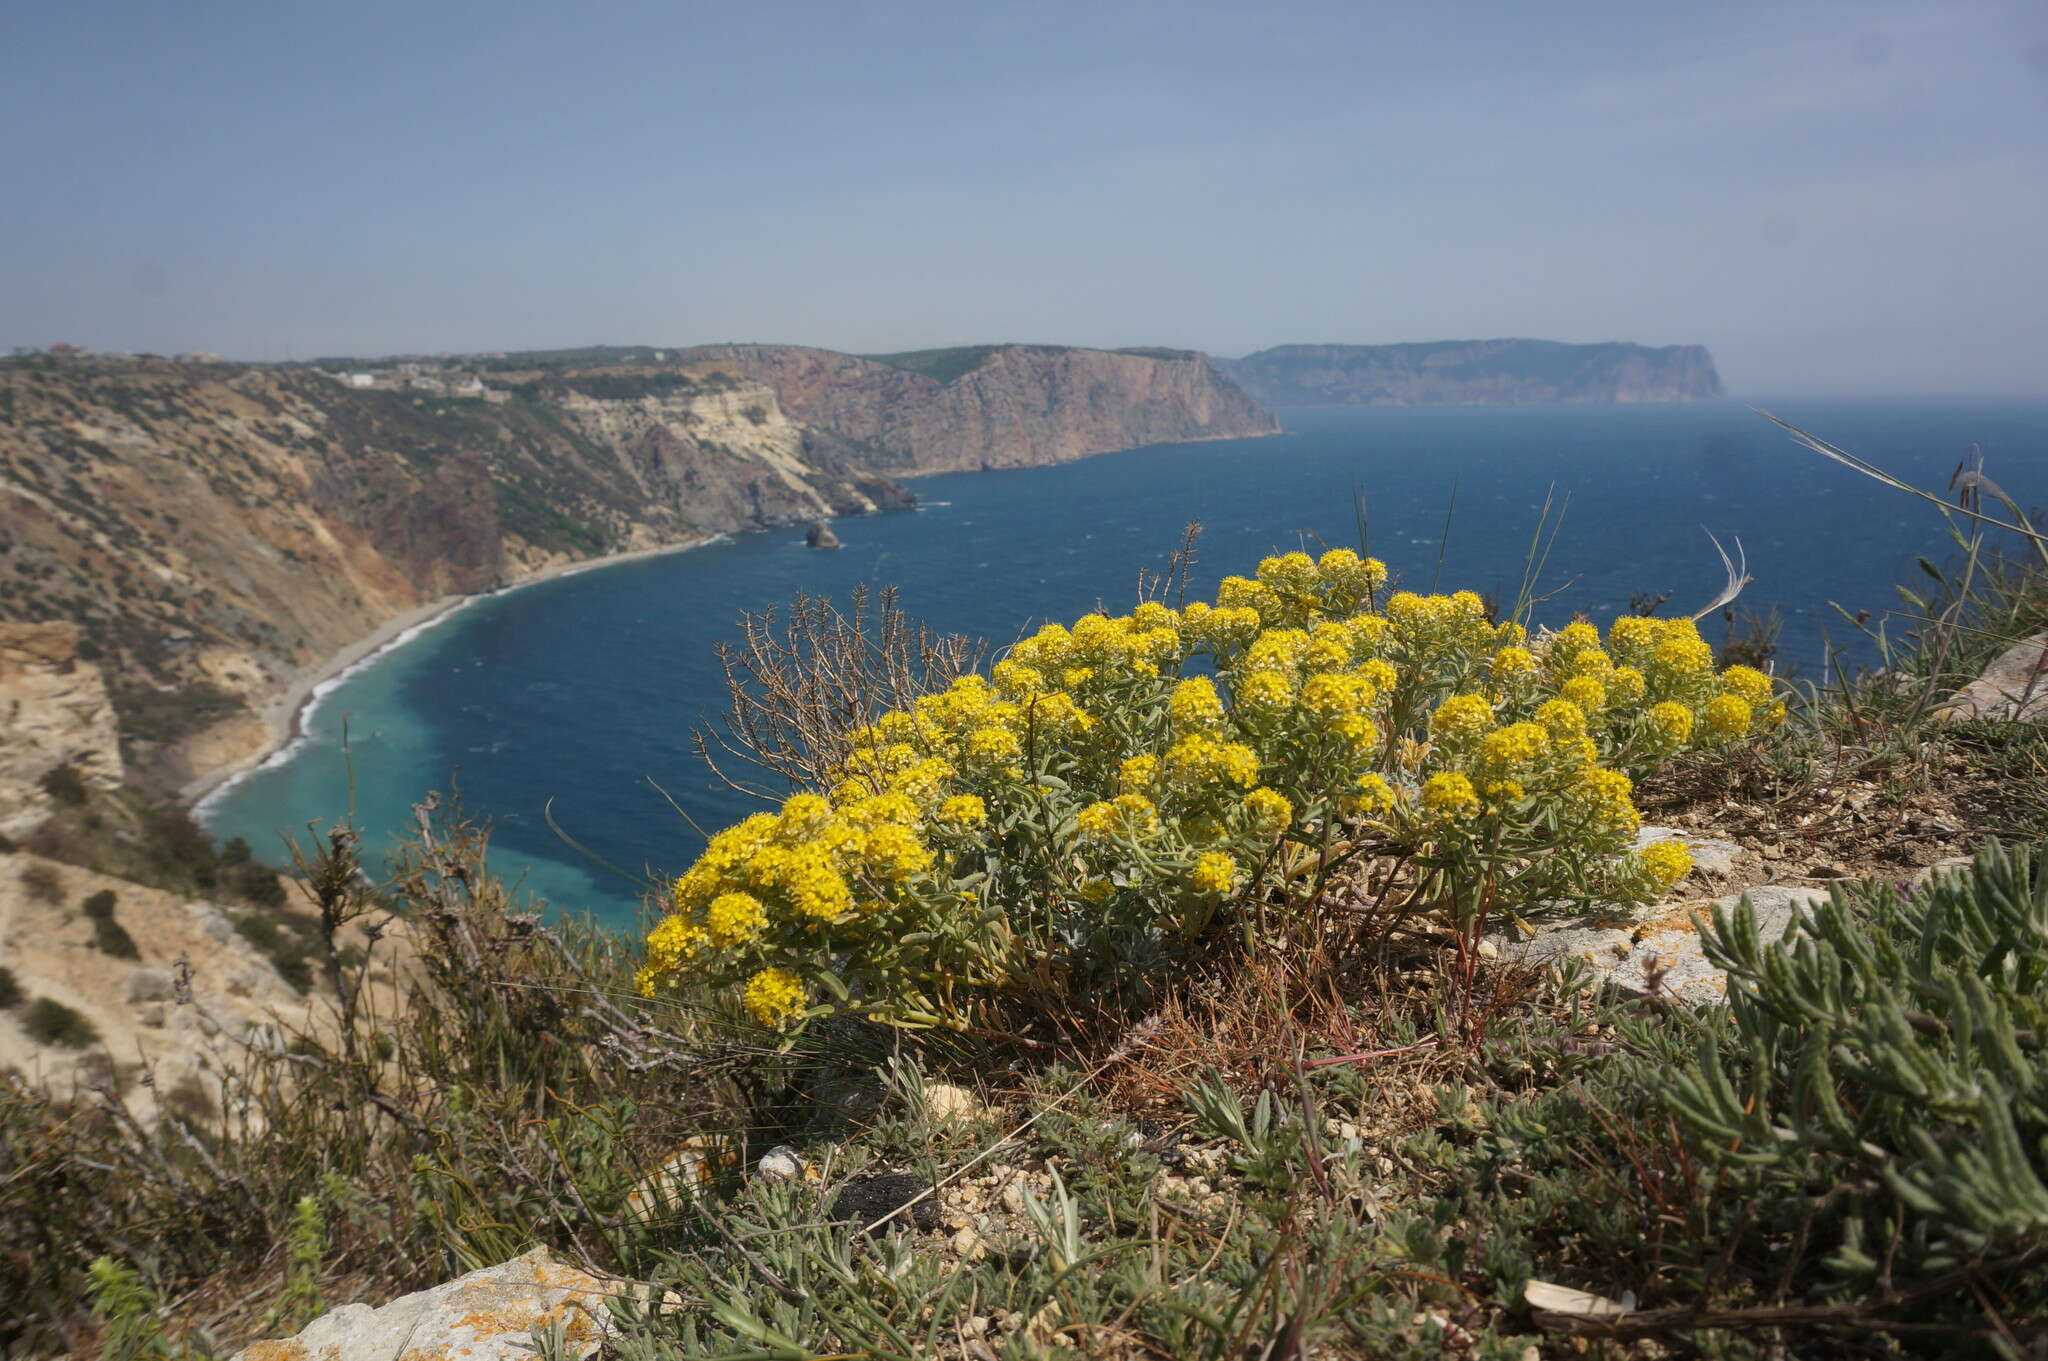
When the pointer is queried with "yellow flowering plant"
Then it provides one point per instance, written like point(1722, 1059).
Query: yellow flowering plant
point(1059, 831)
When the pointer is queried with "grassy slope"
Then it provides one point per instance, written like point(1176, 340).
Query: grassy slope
point(1349, 1148)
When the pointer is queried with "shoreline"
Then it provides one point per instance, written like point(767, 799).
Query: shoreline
point(285, 717)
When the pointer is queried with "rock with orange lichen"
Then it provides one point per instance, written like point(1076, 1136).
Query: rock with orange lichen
point(488, 1315)
point(1657, 952)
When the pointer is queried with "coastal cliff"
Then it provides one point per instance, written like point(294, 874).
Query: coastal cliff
point(54, 711)
point(1475, 373)
point(214, 530)
point(996, 406)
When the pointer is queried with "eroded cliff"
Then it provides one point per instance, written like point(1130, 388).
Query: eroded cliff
point(54, 711)
point(213, 530)
point(996, 406)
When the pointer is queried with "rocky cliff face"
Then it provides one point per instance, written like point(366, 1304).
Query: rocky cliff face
point(54, 711)
point(996, 406)
point(213, 530)
point(1476, 372)
point(667, 433)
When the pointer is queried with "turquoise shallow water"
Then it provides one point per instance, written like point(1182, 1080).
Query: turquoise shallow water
point(581, 690)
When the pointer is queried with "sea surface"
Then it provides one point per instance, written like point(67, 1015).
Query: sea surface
point(577, 697)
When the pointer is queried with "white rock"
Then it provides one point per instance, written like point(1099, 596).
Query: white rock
point(2014, 687)
point(781, 1163)
point(150, 985)
point(212, 923)
point(1710, 855)
point(694, 1165)
point(488, 1315)
point(1664, 944)
point(948, 1104)
point(259, 978)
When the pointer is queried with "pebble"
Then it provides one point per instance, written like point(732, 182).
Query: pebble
point(948, 1104)
point(780, 1163)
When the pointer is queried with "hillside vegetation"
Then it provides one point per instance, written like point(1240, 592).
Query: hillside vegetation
point(1148, 1011)
point(215, 529)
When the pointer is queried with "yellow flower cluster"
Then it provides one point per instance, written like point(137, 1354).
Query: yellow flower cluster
point(774, 996)
point(1450, 796)
point(1199, 759)
point(1268, 809)
point(1111, 786)
point(1667, 862)
point(1214, 873)
point(1128, 815)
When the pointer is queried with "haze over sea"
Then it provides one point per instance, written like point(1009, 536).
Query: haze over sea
point(582, 689)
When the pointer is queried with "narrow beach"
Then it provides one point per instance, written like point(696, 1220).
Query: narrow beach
point(285, 716)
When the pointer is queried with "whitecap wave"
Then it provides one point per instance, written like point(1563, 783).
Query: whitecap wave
point(302, 719)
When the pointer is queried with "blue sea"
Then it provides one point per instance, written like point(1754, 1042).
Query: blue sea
point(579, 695)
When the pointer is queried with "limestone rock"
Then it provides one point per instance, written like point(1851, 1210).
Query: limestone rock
point(780, 1163)
point(149, 985)
point(1663, 945)
point(1710, 855)
point(948, 1104)
point(2014, 687)
point(820, 535)
point(693, 1166)
point(488, 1315)
point(994, 406)
point(1942, 868)
point(54, 711)
point(211, 923)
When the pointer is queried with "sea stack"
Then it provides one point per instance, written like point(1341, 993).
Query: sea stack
point(820, 535)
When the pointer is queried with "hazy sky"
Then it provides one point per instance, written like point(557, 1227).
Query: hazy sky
point(1836, 197)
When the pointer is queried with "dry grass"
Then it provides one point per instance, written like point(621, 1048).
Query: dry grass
point(797, 684)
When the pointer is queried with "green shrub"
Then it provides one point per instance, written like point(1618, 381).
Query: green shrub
point(64, 784)
point(1891, 1046)
point(110, 937)
point(100, 906)
point(10, 989)
point(49, 1021)
point(43, 883)
point(261, 930)
point(126, 1305)
point(1857, 1141)
point(1076, 822)
point(305, 1247)
point(257, 883)
point(288, 950)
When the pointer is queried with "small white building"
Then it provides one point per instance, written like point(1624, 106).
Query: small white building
point(360, 380)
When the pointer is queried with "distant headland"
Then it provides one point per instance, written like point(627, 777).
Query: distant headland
point(1475, 373)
